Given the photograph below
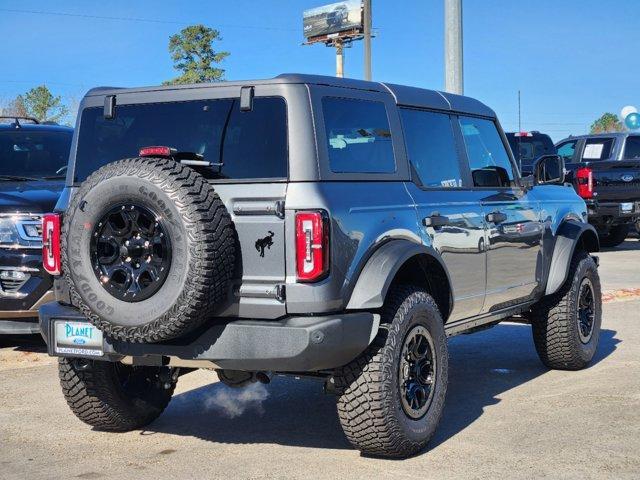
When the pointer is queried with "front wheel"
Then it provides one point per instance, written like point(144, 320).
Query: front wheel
point(392, 395)
point(566, 325)
point(113, 396)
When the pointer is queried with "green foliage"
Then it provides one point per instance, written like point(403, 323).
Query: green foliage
point(608, 122)
point(40, 103)
point(193, 54)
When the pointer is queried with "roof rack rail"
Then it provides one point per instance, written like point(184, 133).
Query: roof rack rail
point(17, 118)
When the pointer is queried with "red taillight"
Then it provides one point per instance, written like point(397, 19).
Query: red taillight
point(312, 246)
point(584, 178)
point(523, 134)
point(156, 151)
point(51, 243)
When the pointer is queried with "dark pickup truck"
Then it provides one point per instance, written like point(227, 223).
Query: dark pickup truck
point(605, 170)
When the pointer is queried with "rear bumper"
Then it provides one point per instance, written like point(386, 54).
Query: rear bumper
point(292, 344)
point(607, 214)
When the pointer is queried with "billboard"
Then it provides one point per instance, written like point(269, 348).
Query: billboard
point(334, 18)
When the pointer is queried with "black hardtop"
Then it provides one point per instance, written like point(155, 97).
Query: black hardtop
point(403, 95)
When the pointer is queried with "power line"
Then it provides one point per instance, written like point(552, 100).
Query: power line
point(138, 19)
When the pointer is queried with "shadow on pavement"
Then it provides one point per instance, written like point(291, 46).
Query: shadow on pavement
point(630, 244)
point(23, 343)
point(297, 413)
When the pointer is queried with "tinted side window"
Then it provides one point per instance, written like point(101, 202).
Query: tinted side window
point(597, 149)
point(632, 148)
point(358, 136)
point(246, 144)
point(431, 148)
point(488, 158)
point(567, 149)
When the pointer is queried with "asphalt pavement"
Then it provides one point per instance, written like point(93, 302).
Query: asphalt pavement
point(506, 415)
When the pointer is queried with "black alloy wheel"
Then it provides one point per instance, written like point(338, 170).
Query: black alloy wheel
point(130, 252)
point(586, 310)
point(417, 372)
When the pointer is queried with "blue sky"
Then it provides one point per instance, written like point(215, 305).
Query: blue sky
point(572, 60)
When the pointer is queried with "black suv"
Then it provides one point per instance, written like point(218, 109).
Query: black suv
point(528, 146)
point(33, 159)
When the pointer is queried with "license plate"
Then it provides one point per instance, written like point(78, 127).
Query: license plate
point(626, 207)
point(78, 338)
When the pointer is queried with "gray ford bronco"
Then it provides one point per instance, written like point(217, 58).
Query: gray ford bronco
point(305, 225)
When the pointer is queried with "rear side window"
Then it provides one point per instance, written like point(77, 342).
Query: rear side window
point(597, 149)
point(431, 147)
point(358, 136)
point(486, 153)
point(567, 149)
point(632, 148)
point(245, 145)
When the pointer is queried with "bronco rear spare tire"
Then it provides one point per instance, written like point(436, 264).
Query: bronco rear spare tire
point(148, 249)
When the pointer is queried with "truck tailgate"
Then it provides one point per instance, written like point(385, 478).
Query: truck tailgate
point(616, 181)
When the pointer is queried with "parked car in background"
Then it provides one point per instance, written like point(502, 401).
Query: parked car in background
point(33, 159)
point(605, 171)
point(528, 146)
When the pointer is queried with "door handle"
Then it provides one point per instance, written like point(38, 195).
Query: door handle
point(435, 220)
point(496, 217)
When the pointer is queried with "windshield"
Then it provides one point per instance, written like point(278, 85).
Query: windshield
point(240, 144)
point(31, 154)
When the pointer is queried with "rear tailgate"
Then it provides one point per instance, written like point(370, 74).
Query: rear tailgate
point(616, 180)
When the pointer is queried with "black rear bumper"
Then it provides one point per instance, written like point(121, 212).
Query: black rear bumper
point(603, 215)
point(292, 344)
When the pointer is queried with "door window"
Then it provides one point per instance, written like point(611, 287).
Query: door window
point(431, 147)
point(632, 148)
point(358, 136)
point(566, 150)
point(488, 157)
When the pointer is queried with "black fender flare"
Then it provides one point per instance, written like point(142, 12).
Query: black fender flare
point(568, 236)
point(381, 267)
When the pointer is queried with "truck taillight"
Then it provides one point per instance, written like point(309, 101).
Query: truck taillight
point(312, 246)
point(51, 243)
point(584, 178)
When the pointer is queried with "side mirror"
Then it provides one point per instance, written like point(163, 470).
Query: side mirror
point(549, 169)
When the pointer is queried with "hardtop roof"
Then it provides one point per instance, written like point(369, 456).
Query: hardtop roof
point(403, 95)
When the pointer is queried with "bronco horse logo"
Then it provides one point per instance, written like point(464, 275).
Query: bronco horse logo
point(265, 242)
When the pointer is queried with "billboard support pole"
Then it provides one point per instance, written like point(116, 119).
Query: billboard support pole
point(366, 13)
point(339, 58)
point(453, 81)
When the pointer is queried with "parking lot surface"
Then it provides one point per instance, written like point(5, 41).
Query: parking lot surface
point(506, 415)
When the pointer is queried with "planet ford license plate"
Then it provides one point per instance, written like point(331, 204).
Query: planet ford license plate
point(77, 338)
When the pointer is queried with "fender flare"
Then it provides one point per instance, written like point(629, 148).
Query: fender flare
point(568, 235)
point(379, 271)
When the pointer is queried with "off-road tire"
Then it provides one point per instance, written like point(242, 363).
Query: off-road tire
point(615, 236)
point(203, 248)
point(554, 319)
point(95, 393)
point(369, 404)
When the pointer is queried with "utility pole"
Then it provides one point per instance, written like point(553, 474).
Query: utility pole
point(367, 39)
point(453, 80)
point(519, 123)
point(339, 58)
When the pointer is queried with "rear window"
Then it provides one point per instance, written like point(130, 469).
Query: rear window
point(358, 136)
point(37, 154)
point(527, 149)
point(246, 145)
point(597, 149)
point(632, 148)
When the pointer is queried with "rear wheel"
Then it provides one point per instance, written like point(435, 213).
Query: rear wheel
point(566, 325)
point(392, 396)
point(615, 237)
point(113, 396)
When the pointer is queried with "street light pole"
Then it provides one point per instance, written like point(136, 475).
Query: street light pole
point(339, 58)
point(453, 80)
point(366, 13)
